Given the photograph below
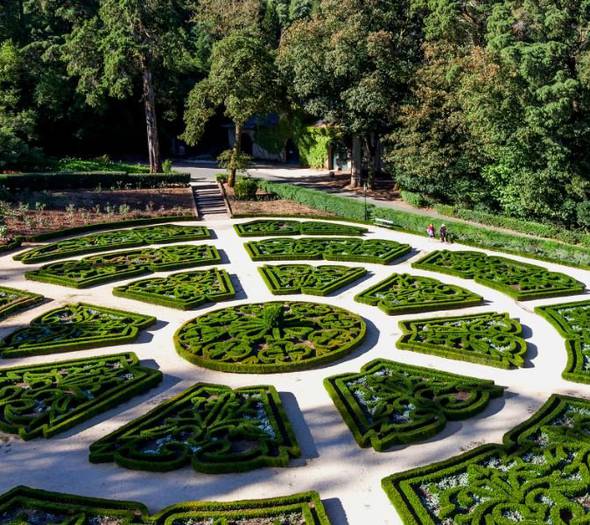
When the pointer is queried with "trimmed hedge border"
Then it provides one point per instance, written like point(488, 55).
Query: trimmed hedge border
point(403, 293)
point(267, 338)
point(375, 251)
point(183, 291)
point(521, 281)
point(112, 240)
point(44, 400)
point(100, 269)
point(572, 321)
point(390, 403)
point(211, 427)
point(74, 327)
point(12, 245)
point(538, 475)
point(13, 301)
point(267, 228)
point(21, 502)
point(488, 339)
point(322, 280)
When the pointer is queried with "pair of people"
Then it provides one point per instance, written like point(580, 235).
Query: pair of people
point(443, 232)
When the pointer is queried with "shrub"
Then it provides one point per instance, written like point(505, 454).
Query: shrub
point(267, 228)
point(221, 178)
point(414, 199)
point(167, 166)
point(245, 189)
point(13, 301)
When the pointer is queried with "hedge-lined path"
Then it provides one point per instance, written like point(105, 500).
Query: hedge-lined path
point(347, 477)
point(209, 200)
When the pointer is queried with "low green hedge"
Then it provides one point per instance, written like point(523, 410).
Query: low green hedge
point(267, 338)
point(211, 427)
point(74, 327)
point(13, 301)
point(44, 400)
point(390, 403)
point(288, 279)
point(489, 338)
point(10, 245)
point(538, 475)
point(184, 291)
point(521, 281)
point(403, 294)
point(267, 228)
point(100, 269)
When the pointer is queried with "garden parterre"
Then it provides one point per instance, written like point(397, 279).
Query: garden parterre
point(267, 228)
point(13, 301)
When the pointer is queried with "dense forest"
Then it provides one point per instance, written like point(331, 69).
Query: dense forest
point(483, 104)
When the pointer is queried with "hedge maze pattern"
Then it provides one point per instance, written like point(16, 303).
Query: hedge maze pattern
point(44, 400)
point(111, 240)
point(100, 269)
point(390, 404)
point(403, 293)
point(38, 507)
point(184, 291)
point(490, 339)
point(211, 427)
point(313, 280)
point(340, 249)
point(519, 280)
point(572, 321)
point(13, 301)
point(539, 475)
point(270, 337)
point(74, 327)
point(262, 228)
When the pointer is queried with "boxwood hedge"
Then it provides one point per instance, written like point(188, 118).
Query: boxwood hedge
point(211, 427)
point(100, 269)
point(403, 293)
point(267, 228)
point(112, 240)
point(74, 327)
point(538, 475)
point(272, 337)
point(489, 338)
point(13, 301)
point(303, 278)
point(519, 280)
point(43, 400)
point(390, 403)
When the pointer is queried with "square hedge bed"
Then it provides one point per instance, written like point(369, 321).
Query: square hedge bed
point(322, 280)
point(112, 240)
point(184, 291)
point(390, 403)
point(74, 327)
point(100, 269)
point(39, 507)
point(403, 293)
point(538, 475)
point(488, 339)
point(268, 228)
point(13, 301)
point(211, 427)
point(43, 400)
point(375, 251)
point(519, 280)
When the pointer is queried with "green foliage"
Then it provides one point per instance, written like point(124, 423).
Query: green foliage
point(266, 228)
point(414, 199)
point(519, 280)
point(403, 293)
point(489, 338)
point(74, 327)
point(112, 240)
point(375, 251)
point(13, 301)
point(100, 269)
point(211, 427)
point(184, 291)
point(245, 189)
point(572, 321)
point(538, 475)
point(99, 164)
point(391, 404)
point(231, 161)
point(43, 400)
point(270, 337)
point(313, 280)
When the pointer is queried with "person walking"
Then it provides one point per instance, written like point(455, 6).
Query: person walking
point(431, 231)
point(444, 234)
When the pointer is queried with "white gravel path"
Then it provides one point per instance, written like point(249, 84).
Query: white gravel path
point(346, 476)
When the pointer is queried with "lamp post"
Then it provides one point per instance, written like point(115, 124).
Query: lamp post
point(365, 193)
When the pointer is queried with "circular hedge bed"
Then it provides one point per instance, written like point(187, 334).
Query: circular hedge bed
point(270, 337)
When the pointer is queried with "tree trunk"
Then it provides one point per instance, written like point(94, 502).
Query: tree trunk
point(356, 170)
point(237, 152)
point(372, 154)
point(151, 121)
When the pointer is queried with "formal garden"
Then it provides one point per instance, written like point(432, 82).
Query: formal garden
point(289, 372)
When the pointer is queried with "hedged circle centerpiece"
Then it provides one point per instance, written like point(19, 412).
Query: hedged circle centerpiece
point(278, 336)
